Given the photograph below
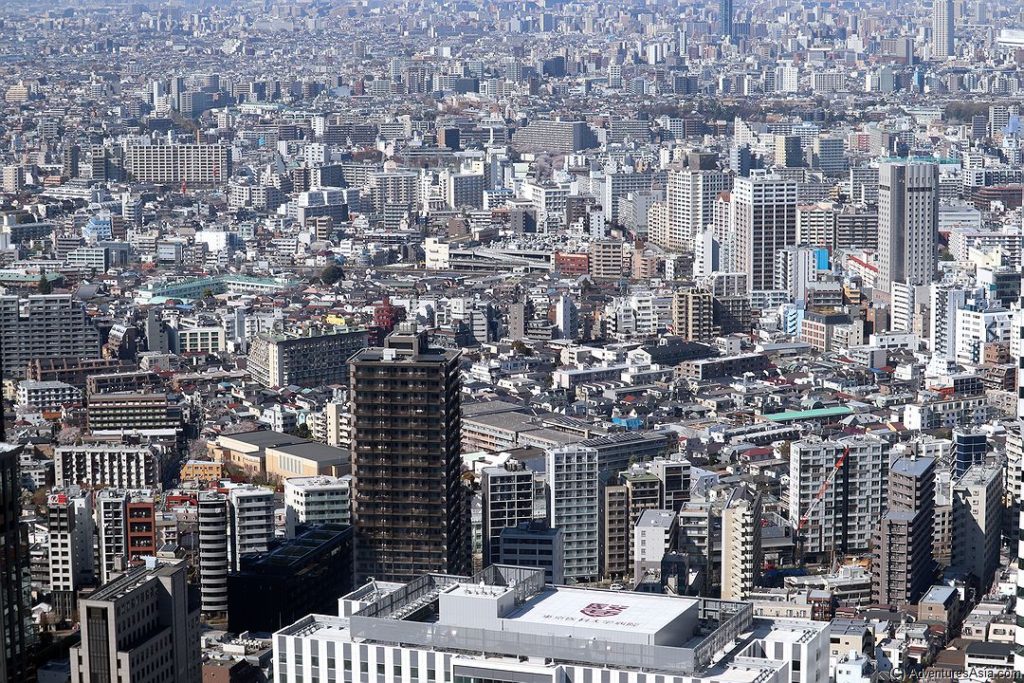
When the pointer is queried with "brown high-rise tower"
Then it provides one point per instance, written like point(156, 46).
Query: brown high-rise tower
point(409, 506)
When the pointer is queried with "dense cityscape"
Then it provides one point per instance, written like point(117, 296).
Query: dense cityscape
point(511, 341)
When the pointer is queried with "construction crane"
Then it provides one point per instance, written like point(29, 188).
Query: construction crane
point(820, 495)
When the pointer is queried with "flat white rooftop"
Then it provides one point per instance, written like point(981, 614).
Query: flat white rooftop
point(610, 611)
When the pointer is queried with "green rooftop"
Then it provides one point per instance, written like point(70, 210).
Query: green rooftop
point(817, 413)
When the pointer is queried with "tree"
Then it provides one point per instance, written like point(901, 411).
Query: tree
point(302, 431)
point(521, 348)
point(241, 427)
point(331, 274)
point(44, 287)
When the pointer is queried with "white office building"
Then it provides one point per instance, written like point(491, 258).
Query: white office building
point(317, 500)
point(505, 624)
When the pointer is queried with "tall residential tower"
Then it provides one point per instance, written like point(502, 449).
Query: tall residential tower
point(409, 507)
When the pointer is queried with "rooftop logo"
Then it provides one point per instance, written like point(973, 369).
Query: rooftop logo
point(600, 609)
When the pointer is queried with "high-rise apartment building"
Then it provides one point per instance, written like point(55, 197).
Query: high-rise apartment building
point(409, 507)
point(945, 300)
point(142, 626)
point(741, 543)
point(190, 164)
point(133, 411)
point(69, 523)
point(116, 465)
point(795, 268)
point(943, 23)
point(689, 197)
point(573, 485)
point(232, 525)
point(693, 314)
point(844, 520)
point(44, 326)
point(252, 521)
point(908, 220)
point(789, 151)
point(125, 529)
point(762, 222)
point(213, 517)
point(70, 160)
point(279, 360)
point(902, 567)
point(554, 136)
point(507, 497)
point(977, 522)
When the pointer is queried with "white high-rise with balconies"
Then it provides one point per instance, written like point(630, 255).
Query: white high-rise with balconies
point(572, 480)
point(844, 519)
point(762, 220)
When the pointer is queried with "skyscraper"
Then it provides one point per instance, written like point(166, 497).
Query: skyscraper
point(725, 17)
point(15, 607)
point(762, 222)
point(409, 503)
point(942, 29)
point(908, 223)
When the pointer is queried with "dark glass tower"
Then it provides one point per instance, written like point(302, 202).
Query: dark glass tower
point(15, 608)
point(409, 506)
point(725, 15)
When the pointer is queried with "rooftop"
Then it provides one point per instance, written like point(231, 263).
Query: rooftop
point(815, 414)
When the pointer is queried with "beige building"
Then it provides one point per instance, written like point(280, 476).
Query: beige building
point(606, 259)
point(741, 543)
point(193, 164)
point(278, 360)
point(278, 455)
point(693, 314)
